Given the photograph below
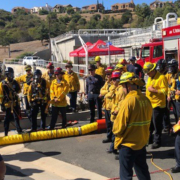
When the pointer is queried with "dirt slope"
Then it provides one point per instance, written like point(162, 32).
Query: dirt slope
point(20, 48)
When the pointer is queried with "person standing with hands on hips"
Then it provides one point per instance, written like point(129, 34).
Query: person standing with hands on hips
point(93, 85)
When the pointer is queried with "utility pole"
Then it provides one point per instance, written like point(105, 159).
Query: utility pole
point(49, 23)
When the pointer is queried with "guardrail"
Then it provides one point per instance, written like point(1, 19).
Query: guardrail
point(77, 68)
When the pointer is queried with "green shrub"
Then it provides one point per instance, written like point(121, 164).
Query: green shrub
point(21, 56)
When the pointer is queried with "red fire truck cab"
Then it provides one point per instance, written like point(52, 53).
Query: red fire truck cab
point(151, 52)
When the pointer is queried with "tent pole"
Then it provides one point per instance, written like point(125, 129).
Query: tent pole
point(109, 63)
point(85, 49)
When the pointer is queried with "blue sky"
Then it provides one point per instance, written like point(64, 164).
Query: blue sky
point(9, 4)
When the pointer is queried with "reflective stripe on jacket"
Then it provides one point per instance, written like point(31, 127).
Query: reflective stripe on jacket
point(131, 126)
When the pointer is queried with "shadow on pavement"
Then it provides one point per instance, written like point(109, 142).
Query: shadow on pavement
point(17, 171)
point(28, 156)
point(167, 154)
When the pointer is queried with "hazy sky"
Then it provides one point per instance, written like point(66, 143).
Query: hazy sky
point(9, 4)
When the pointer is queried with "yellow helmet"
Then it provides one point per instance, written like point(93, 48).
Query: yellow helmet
point(119, 66)
point(97, 58)
point(148, 67)
point(27, 68)
point(123, 61)
point(131, 78)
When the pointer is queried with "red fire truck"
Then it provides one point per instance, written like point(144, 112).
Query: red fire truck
point(166, 48)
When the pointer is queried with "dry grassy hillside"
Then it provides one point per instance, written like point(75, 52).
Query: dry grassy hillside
point(20, 48)
point(87, 16)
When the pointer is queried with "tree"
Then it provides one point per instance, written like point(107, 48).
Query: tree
point(43, 12)
point(64, 19)
point(42, 33)
point(82, 21)
point(168, 8)
point(96, 17)
point(75, 17)
point(143, 10)
point(126, 17)
point(158, 12)
point(71, 26)
point(70, 10)
point(4, 39)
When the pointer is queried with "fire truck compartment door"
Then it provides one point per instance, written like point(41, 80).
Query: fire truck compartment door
point(171, 44)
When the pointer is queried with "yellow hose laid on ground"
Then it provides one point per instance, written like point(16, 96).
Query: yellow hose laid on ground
point(49, 134)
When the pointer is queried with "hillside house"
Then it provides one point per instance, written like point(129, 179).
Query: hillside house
point(14, 10)
point(158, 4)
point(36, 10)
point(61, 8)
point(123, 6)
point(76, 9)
point(93, 7)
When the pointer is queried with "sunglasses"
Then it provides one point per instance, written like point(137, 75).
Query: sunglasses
point(91, 69)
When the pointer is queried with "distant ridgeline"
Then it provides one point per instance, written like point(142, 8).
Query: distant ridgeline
point(23, 25)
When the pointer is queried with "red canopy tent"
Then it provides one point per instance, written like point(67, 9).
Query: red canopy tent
point(100, 48)
point(75, 53)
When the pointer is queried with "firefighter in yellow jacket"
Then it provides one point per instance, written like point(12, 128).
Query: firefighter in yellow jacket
point(119, 95)
point(49, 75)
point(108, 86)
point(73, 81)
point(121, 68)
point(100, 69)
point(2, 77)
point(131, 129)
point(9, 100)
point(38, 95)
point(25, 80)
point(156, 91)
point(115, 77)
point(58, 91)
point(124, 63)
point(173, 85)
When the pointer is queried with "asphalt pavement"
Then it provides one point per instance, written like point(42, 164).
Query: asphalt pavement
point(87, 152)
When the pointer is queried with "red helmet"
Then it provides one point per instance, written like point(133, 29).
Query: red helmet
point(109, 70)
point(115, 74)
point(50, 65)
point(58, 70)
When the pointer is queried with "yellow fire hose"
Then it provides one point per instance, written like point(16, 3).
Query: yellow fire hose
point(49, 134)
